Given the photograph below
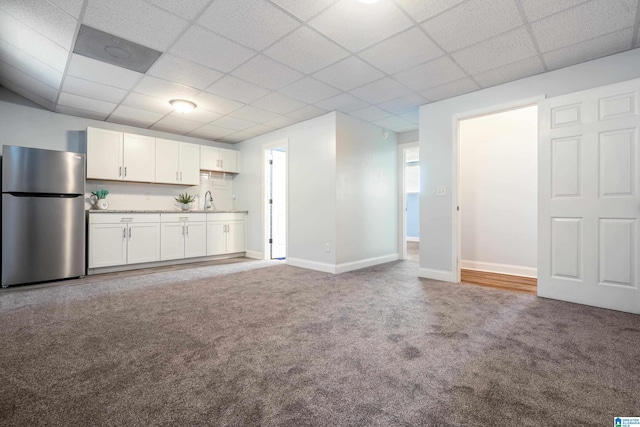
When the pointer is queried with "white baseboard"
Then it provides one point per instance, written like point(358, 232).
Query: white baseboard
point(254, 255)
point(413, 239)
point(445, 276)
point(363, 263)
point(312, 265)
point(490, 267)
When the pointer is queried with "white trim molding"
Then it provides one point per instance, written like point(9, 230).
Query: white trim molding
point(413, 239)
point(312, 265)
point(444, 276)
point(363, 263)
point(489, 267)
point(254, 255)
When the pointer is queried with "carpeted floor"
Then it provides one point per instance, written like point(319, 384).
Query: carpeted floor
point(283, 346)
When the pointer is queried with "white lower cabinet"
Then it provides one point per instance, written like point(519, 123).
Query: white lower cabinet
point(183, 236)
point(225, 233)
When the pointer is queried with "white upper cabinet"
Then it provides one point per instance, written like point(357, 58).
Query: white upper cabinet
point(177, 162)
point(104, 154)
point(228, 160)
point(218, 159)
point(139, 158)
point(189, 163)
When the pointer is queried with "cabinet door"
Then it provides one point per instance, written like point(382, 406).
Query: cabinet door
point(107, 245)
point(189, 164)
point(167, 161)
point(144, 243)
point(216, 238)
point(209, 158)
point(172, 241)
point(104, 154)
point(139, 158)
point(195, 239)
point(228, 160)
point(235, 237)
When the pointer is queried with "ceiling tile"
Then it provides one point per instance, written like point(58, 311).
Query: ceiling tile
point(542, 8)
point(32, 43)
point(510, 72)
point(267, 73)
point(77, 86)
point(237, 137)
point(30, 65)
point(504, 49)
point(163, 89)
point(142, 117)
point(148, 103)
point(177, 125)
point(381, 90)
point(357, 25)
point(129, 121)
point(70, 111)
point(49, 105)
point(433, 73)
point(370, 114)
point(72, 7)
point(402, 52)
point(233, 123)
point(394, 123)
point(306, 113)
point(84, 103)
point(450, 89)
point(590, 49)
point(110, 75)
point(280, 122)
point(216, 103)
point(589, 20)
point(211, 132)
point(253, 114)
point(259, 129)
point(236, 89)
point(306, 51)
point(253, 23)
point(349, 73)
point(211, 50)
point(28, 82)
point(303, 9)
point(187, 9)
point(421, 10)
point(403, 104)
point(184, 72)
point(198, 115)
point(343, 102)
point(45, 18)
point(142, 23)
point(472, 22)
point(309, 90)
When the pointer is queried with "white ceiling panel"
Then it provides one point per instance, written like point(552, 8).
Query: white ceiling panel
point(81, 113)
point(590, 49)
point(237, 137)
point(217, 104)
point(253, 114)
point(187, 9)
point(267, 73)
point(84, 103)
point(211, 50)
point(253, 23)
point(309, 90)
point(140, 116)
point(306, 113)
point(431, 74)
point(72, 7)
point(421, 10)
point(394, 123)
point(280, 122)
point(349, 73)
point(343, 102)
point(450, 89)
point(501, 50)
point(148, 103)
point(539, 9)
point(176, 125)
point(86, 88)
point(293, 50)
point(164, 89)
point(473, 21)
point(110, 75)
point(26, 81)
point(507, 73)
point(370, 114)
point(304, 9)
point(45, 18)
point(30, 65)
point(259, 129)
point(49, 105)
point(129, 121)
point(402, 52)
point(233, 123)
point(198, 115)
point(236, 89)
point(403, 104)
point(586, 21)
point(184, 72)
point(356, 26)
point(142, 23)
point(211, 132)
point(381, 90)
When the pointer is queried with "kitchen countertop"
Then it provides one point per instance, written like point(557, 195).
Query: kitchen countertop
point(159, 211)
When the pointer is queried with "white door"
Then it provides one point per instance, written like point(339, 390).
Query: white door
point(195, 239)
point(216, 238)
point(139, 158)
point(189, 164)
point(209, 158)
point(107, 245)
point(167, 161)
point(235, 237)
point(228, 160)
point(588, 197)
point(278, 204)
point(104, 154)
point(172, 240)
point(143, 243)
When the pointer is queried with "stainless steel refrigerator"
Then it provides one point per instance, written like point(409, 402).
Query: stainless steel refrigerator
point(43, 219)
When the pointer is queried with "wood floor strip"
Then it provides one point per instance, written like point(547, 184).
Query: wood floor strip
point(500, 281)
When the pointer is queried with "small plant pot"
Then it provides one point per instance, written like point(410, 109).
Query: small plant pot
point(102, 204)
point(185, 206)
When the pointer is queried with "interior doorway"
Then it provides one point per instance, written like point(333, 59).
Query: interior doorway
point(409, 157)
point(276, 202)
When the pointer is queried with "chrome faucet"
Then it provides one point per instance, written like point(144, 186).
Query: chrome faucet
point(208, 202)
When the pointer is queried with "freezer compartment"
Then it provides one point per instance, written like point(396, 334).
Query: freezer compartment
point(43, 238)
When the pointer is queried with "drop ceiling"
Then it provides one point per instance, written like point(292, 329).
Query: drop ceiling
point(253, 66)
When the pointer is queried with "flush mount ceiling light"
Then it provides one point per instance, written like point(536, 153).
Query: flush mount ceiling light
point(182, 105)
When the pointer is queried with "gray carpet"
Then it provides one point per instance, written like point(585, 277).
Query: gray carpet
point(283, 346)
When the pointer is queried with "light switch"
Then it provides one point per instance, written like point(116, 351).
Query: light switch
point(441, 191)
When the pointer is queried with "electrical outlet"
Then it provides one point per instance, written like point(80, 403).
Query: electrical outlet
point(327, 248)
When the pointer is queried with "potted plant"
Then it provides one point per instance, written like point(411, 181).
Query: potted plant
point(99, 199)
point(185, 200)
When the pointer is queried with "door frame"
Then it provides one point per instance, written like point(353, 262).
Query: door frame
point(402, 206)
point(265, 196)
point(456, 229)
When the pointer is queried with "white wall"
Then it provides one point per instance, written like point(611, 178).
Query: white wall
point(499, 192)
point(366, 191)
point(437, 149)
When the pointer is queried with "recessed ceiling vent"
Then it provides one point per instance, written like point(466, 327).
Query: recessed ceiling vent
point(108, 48)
